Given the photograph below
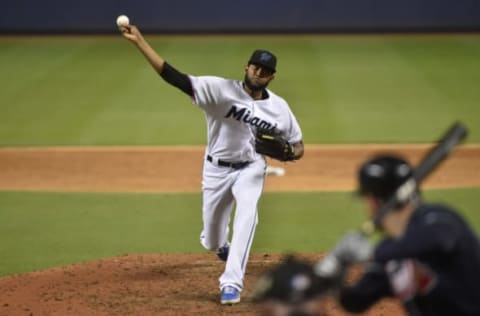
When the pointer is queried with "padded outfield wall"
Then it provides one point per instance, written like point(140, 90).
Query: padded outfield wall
point(193, 16)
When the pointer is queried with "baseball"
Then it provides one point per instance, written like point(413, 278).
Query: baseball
point(123, 20)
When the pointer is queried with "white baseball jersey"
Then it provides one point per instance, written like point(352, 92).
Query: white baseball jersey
point(232, 116)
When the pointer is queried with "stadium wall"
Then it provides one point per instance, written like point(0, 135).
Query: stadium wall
point(247, 16)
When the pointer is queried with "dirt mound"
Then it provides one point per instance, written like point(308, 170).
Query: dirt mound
point(149, 284)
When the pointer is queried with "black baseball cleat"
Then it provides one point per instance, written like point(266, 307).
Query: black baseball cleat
point(222, 252)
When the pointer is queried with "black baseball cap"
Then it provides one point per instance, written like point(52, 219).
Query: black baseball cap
point(264, 58)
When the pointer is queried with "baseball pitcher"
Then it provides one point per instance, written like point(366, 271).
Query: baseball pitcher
point(245, 122)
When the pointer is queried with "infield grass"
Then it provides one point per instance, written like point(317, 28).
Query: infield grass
point(343, 89)
point(43, 230)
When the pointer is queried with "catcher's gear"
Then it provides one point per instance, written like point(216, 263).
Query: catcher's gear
point(293, 282)
point(272, 144)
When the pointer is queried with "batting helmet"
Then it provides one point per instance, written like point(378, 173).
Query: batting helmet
point(382, 175)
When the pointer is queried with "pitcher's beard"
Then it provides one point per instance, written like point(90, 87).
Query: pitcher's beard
point(254, 87)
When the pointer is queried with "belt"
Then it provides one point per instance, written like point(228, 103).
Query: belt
point(233, 165)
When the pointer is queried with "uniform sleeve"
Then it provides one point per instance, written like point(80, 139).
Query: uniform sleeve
point(431, 234)
point(207, 90)
point(293, 132)
point(370, 288)
point(296, 132)
point(176, 79)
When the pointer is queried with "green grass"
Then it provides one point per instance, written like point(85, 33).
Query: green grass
point(343, 89)
point(100, 91)
point(42, 230)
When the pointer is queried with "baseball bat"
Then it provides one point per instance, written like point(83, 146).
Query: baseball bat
point(432, 159)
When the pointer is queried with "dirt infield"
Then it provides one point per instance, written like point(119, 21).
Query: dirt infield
point(178, 169)
point(154, 284)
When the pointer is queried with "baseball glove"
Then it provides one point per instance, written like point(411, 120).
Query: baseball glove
point(272, 144)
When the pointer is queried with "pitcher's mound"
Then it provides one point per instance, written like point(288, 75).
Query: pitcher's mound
point(148, 284)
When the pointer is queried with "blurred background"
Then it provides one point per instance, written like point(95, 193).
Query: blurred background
point(353, 72)
point(248, 16)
